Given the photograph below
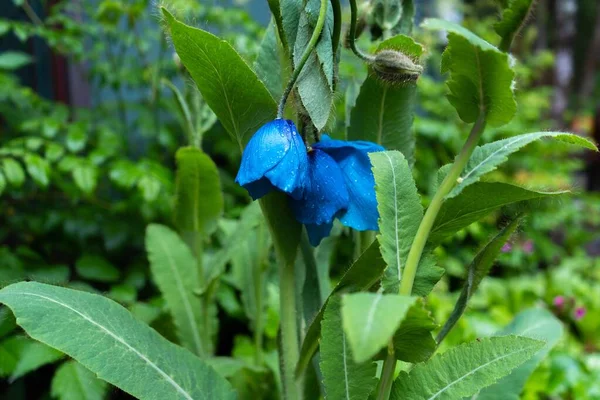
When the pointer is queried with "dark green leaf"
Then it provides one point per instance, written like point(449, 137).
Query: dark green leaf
point(477, 201)
point(343, 378)
point(535, 323)
point(285, 230)
point(362, 275)
point(478, 269)
point(33, 356)
point(513, 20)
point(72, 381)
point(112, 343)
point(96, 268)
point(268, 62)
point(481, 80)
point(464, 370)
point(228, 85)
point(10, 353)
point(198, 196)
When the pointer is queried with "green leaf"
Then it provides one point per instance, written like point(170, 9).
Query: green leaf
point(175, 272)
point(290, 13)
point(387, 13)
point(370, 320)
point(13, 171)
point(38, 169)
point(96, 268)
point(185, 112)
point(228, 85)
point(112, 343)
point(413, 341)
point(342, 377)
point(268, 62)
point(2, 183)
point(11, 60)
point(478, 269)
point(513, 20)
point(198, 196)
point(7, 322)
point(10, 353)
point(76, 137)
point(481, 80)
point(149, 187)
point(400, 211)
point(477, 201)
point(72, 381)
point(465, 369)
point(285, 230)
point(535, 323)
point(33, 356)
point(488, 157)
point(85, 177)
point(362, 275)
point(315, 83)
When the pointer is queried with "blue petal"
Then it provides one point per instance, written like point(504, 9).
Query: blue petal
point(353, 159)
point(275, 152)
point(316, 233)
point(325, 193)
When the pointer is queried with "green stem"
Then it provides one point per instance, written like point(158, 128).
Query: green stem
point(352, 36)
point(387, 375)
point(416, 250)
point(289, 329)
point(309, 49)
point(337, 25)
point(258, 277)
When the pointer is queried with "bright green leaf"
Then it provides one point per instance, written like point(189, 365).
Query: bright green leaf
point(72, 381)
point(11, 60)
point(535, 323)
point(86, 177)
point(149, 187)
point(477, 201)
point(481, 80)
point(488, 157)
point(76, 137)
point(96, 268)
point(362, 274)
point(370, 320)
point(343, 378)
point(478, 269)
point(175, 272)
point(464, 370)
point(513, 20)
point(112, 344)
point(231, 89)
point(13, 171)
point(34, 356)
point(38, 169)
point(198, 196)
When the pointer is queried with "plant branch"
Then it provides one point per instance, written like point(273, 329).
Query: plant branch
point(309, 49)
point(352, 35)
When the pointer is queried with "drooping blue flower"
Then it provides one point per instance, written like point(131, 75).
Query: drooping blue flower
point(340, 184)
point(275, 157)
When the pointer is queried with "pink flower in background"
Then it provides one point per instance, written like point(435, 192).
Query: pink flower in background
point(507, 247)
point(559, 301)
point(580, 312)
point(528, 246)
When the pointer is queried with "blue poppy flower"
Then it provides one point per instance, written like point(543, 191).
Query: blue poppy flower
point(275, 157)
point(340, 184)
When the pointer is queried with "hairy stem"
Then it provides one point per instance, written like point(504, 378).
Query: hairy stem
point(352, 34)
point(309, 49)
point(289, 329)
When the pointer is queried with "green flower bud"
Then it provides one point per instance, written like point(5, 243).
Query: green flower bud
point(395, 67)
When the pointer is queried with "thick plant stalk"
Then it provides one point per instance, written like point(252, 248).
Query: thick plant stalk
point(416, 250)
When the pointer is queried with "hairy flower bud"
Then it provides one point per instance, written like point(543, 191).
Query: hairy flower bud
point(396, 67)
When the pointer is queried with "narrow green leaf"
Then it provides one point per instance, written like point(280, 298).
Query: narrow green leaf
point(174, 269)
point(13, 171)
point(96, 268)
point(477, 201)
point(478, 269)
point(488, 157)
point(343, 378)
point(535, 323)
point(112, 343)
point(231, 89)
point(2, 183)
point(185, 112)
point(400, 211)
point(33, 356)
point(268, 62)
point(384, 112)
point(11, 60)
point(198, 195)
point(315, 83)
point(465, 369)
point(362, 275)
point(481, 80)
point(72, 381)
point(370, 320)
point(513, 20)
